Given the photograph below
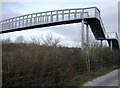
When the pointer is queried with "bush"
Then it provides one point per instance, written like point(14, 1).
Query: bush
point(51, 65)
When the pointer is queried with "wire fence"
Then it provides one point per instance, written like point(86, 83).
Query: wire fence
point(42, 78)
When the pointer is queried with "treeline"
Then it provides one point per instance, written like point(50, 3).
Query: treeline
point(47, 64)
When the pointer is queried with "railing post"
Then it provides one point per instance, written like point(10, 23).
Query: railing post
point(31, 20)
point(12, 23)
point(95, 13)
point(56, 15)
point(9, 23)
point(63, 15)
point(69, 15)
point(19, 22)
point(75, 14)
point(23, 21)
point(45, 18)
point(27, 21)
point(4, 24)
point(1, 23)
point(35, 19)
point(51, 17)
point(15, 22)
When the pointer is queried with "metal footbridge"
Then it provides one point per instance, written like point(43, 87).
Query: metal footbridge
point(91, 16)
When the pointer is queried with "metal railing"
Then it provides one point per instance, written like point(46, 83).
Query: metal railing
point(49, 17)
point(114, 35)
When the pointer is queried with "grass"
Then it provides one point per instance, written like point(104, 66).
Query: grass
point(80, 79)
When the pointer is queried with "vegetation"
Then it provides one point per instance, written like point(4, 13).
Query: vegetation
point(47, 63)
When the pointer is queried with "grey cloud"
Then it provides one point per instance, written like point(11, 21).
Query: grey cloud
point(110, 20)
point(109, 14)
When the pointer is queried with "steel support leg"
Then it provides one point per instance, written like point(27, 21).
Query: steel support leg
point(111, 45)
point(87, 35)
point(87, 48)
point(82, 35)
point(101, 43)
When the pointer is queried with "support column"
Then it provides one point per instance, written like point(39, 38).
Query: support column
point(101, 43)
point(87, 35)
point(87, 48)
point(82, 35)
point(111, 44)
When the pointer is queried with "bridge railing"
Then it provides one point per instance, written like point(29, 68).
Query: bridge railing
point(42, 18)
point(97, 14)
point(94, 12)
point(105, 33)
point(113, 35)
point(49, 17)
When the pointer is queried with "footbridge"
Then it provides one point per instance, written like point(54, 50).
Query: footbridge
point(89, 16)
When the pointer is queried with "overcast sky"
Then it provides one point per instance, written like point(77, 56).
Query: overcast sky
point(68, 33)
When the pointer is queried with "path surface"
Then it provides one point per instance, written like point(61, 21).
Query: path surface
point(110, 79)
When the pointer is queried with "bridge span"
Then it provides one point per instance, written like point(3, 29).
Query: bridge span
point(90, 16)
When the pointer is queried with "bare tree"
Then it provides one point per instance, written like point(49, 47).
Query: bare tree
point(19, 39)
point(35, 40)
point(6, 41)
point(50, 40)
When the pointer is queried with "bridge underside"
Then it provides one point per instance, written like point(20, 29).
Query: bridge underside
point(115, 43)
point(96, 28)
